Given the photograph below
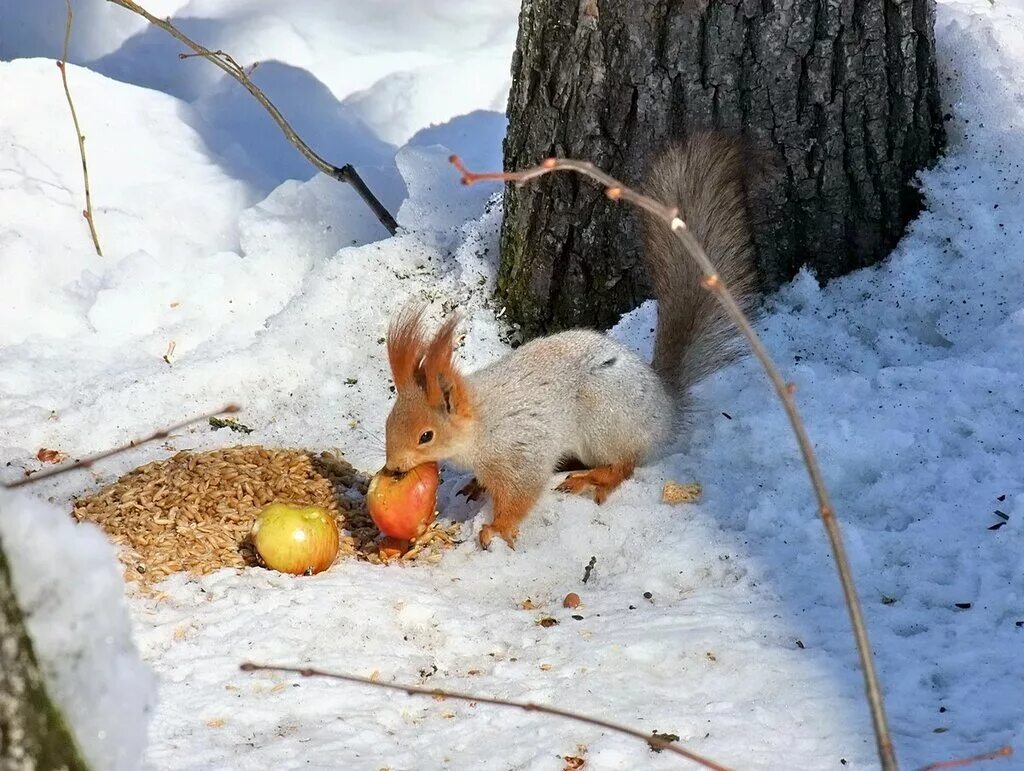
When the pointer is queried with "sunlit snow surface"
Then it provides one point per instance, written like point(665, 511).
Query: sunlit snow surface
point(275, 287)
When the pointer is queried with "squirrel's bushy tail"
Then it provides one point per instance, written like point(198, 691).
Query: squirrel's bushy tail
point(704, 177)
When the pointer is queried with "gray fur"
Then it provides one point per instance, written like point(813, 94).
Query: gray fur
point(581, 394)
point(704, 178)
point(574, 394)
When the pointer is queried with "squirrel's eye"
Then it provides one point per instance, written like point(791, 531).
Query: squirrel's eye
point(426, 436)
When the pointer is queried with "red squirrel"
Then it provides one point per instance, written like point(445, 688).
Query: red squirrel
point(579, 394)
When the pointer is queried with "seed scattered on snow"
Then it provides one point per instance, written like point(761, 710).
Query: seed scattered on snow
point(193, 511)
point(675, 493)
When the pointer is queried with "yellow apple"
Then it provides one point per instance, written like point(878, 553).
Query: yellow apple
point(301, 540)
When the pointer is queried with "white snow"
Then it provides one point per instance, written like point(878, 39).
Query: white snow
point(68, 583)
point(356, 80)
point(275, 287)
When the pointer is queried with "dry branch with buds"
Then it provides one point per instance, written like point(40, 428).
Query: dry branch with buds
point(1002, 752)
point(163, 433)
point(62, 66)
point(616, 191)
point(225, 62)
point(437, 693)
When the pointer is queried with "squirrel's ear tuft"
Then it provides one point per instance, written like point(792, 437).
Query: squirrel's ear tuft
point(445, 387)
point(406, 348)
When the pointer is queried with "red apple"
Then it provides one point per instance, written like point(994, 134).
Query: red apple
point(403, 504)
point(295, 539)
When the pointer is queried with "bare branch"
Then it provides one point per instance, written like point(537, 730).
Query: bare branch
point(616, 191)
point(225, 62)
point(62, 66)
point(1002, 752)
point(86, 462)
point(438, 693)
point(228, 58)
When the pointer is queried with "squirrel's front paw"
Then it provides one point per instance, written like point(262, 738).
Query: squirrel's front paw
point(507, 534)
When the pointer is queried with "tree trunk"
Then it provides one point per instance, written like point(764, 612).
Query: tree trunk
point(32, 731)
point(839, 98)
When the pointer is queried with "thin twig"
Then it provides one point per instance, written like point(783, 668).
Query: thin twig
point(225, 62)
point(438, 693)
point(713, 282)
point(222, 54)
point(1002, 752)
point(86, 462)
point(62, 66)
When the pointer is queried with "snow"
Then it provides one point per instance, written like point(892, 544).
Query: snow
point(356, 80)
point(275, 287)
point(68, 583)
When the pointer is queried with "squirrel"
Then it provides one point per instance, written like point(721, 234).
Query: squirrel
point(579, 395)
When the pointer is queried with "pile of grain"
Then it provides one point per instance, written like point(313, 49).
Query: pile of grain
point(193, 512)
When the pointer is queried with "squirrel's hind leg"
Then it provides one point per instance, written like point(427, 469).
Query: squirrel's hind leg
point(603, 480)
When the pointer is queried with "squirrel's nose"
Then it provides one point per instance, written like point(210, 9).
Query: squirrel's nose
point(393, 466)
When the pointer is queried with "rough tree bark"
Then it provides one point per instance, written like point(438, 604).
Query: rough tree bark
point(33, 734)
point(838, 99)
